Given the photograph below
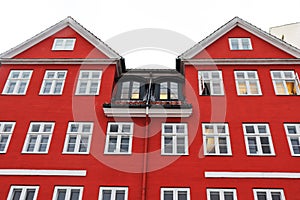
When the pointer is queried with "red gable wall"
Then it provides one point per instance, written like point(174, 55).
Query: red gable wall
point(82, 49)
point(261, 49)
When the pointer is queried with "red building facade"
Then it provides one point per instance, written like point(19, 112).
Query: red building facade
point(76, 124)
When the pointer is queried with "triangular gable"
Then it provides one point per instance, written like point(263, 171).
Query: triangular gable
point(291, 52)
point(65, 25)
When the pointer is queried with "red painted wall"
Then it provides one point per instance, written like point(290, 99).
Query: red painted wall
point(261, 49)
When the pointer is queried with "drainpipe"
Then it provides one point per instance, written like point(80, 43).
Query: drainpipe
point(145, 161)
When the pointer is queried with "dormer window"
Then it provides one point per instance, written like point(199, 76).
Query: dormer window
point(130, 90)
point(168, 91)
point(240, 44)
point(63, 44)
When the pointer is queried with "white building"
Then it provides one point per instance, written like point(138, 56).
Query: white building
point(290, 33)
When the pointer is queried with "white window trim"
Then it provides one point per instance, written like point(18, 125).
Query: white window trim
point(288, 135)
point(119, 135)
point(89, 81)
point(113, 192)
point(257, 135)
point(18, 80)
point(247, 81)
point(295, 79)
point(24, 189)
point(264, 175)
point(63, 47)
point(68, 191)
point(79, 133)
point(221, 192)
point(53, 82)
point(268, 191)
point(216, 136)
point(174, 136)
point(201, 81)
point(39, 137)
point(240, 48)
point(175, 192)
point(2, 124)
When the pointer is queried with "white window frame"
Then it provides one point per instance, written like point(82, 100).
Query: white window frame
point(202, 80)
point(292, 136)
point(216, 135)
point(175, 192)
point(257, 137)
point(39, 136)
point(221, 193)
point(269, 193)
point(63, 46)
point(23, 191)
point(119, 134)
point(4, 133)
point(18, 81)
point(247, 81)
point(54, 81)
point(78, 134)
point(88, 80)
point(113, 192)
point(240, 44)
point(175, 137)
point(68, 191)
point(284, 80)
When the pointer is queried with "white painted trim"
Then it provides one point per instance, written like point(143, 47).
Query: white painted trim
point(39, 172)
point(190, 53)
point(55, 61)
point(292, 175)
point(69, 21)
point(214, 62)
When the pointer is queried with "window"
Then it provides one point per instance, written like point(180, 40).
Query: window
point(23, 193)
point(247, 83)
point(168, 91)
point(174, 139)
point(88, 82)
point(258, 139)
point(17, 82)
point(285, 82)
point(113, 193)
point(216, 139)
point(268, 194)
point(130, 90)
point(64, 44)
point(67, 193)
point(293, 137)
point(119, 138)
point(210, 83)
point(221, 194)
point(240, 44)
point(38, 137)
point(175, 194)
point(6, 130)
point(78, 138)
point(53, 82)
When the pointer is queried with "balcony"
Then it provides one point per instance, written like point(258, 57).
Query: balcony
point(120, 108)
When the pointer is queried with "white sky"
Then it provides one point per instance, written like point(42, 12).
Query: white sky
point(195, 19)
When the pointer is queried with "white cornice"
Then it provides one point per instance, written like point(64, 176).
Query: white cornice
point(57, 61)
point(214, 62)
point(190, 53)
point(293, 175)
point(104, 48)
point(39, 172)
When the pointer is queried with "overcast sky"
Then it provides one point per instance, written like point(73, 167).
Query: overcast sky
point(194, 19)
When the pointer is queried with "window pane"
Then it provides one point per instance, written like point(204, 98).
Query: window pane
point(179, 128)
point(84, 140)
point(61, 194)
point(168, 128)
point(58, 88)
point(75, 194)
point(262, 129)
point(43, 144)
point(74, 127)
point(31, 143)
point(249, 129)
point(106, 195)
point(252, 145)
point(261, 196)
point(124, 144)
point(253, 87)
point(292, 129)
point(210, 145)
point(30, 194)
point(234, 44)
point(223, 145)
point(126, 128)
point(120, 195)
point(180, 145)
point(112, 144)
point(214, 196)
point(71, 144)
point(168, 195)
point(265, 145)
point(16, 194)
point(276, 195)
point(295, 145)
point(7, 128)
point(114, 128)
point(280, 87)
point(168, 145)
point(242, 87)
point(228, 195)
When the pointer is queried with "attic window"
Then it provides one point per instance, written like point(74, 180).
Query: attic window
point(240, 44)
point(63, 44)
